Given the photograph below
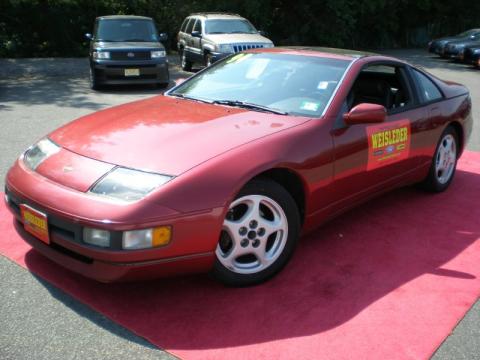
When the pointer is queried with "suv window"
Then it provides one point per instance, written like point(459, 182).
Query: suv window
point(428, 89)
point(383, 85)
point(189, 28)
point(184, 25)
point(198, 26)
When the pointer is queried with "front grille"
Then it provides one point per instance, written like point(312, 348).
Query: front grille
point(243, 47)
point(131, 66)
point(133, 78)
point(130, 55)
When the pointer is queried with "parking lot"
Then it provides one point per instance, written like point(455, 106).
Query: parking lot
point(39, 321)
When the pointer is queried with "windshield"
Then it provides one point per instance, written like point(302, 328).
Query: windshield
point(126, 30)
point(293, 84)
point(225, 26)
point(468, 33)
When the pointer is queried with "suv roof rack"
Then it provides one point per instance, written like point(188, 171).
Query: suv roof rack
point(213, 13)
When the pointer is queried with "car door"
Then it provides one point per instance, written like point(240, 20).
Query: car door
point(187, 36)
point(196, 42)
point(371, 157)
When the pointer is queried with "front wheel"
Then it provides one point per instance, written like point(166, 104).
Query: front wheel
point(444, 162)
point(208, 59)
point(93, 80)
point(259, 234)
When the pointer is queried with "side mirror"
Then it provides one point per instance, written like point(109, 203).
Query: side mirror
point(88, 36)
point(365, 114)
point(196, 34)
point(162, 37)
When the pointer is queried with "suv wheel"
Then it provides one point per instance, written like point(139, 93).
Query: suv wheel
point(186, 64)
point(208, 59)
point(93, 80)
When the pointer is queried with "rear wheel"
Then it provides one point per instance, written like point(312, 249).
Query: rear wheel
point(444, 162)
point(186, 64)
point(259, 234)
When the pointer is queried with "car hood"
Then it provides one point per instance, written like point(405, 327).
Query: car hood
point(448, 39)
point(127, 45)
point(166, 135)
point(237, 38)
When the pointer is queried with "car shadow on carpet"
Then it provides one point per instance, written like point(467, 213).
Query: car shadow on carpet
point(337, 272)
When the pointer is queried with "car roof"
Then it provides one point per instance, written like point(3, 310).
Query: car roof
point(117, 17)
point(324, 52)
point(217, 15)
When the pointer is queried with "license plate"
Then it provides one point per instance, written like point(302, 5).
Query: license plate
point(132, 72)
point(35, 223)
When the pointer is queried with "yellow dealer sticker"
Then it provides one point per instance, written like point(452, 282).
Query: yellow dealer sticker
point(388, 143)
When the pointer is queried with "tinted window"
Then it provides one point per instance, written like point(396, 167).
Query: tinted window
point(189, 28)
point(184, 25)
point(126, 30)
point(198, 26)
point(383, 85)
point(428, 89)
point(298, 85)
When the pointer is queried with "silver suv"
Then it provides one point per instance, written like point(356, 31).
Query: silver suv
point(207, 37)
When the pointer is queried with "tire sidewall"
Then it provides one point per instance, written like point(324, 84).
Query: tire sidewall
point(276, 192)
point(432, 181)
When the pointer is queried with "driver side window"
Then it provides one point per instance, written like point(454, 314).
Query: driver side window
point(382, 85)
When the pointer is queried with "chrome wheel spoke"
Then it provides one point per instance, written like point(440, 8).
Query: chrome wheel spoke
point(257, 230)
point(445, 159)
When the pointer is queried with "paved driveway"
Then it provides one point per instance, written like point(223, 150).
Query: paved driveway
point(39, 321)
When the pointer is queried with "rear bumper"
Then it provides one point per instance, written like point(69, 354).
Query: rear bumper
point(112, 72)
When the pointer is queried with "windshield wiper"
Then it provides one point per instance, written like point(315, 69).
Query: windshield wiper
point(182, 96)
point(247, 105)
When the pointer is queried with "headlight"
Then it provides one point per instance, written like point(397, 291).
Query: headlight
point(225, 48)
point(101, 55)
point(96, 237)
point(39, 153)
point(148, 238)
point(158, 54)
point(266, 46)
point(128, 185)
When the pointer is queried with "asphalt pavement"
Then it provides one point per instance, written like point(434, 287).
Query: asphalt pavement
point(39, 321)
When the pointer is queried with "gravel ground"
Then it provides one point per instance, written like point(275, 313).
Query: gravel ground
point(41, 322)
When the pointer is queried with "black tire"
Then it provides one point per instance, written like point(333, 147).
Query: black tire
point(185, 63)
point(162, 85)
point(94, 85)
point(208, 59)
point(272, 190)
point(432, 182)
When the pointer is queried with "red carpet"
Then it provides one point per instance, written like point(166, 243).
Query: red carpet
point(388, 280)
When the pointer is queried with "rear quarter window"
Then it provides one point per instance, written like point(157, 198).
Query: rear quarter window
point(429, 91)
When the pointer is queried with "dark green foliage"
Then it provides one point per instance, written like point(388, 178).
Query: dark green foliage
point(56, 27)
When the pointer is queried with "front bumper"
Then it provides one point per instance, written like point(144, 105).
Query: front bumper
point(191, 248)
point(219, 56)
point(112, 72)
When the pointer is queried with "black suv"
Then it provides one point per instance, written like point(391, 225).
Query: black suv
point(126, 50)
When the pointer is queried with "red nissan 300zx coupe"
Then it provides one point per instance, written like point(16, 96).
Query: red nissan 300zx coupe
point(226, 170)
